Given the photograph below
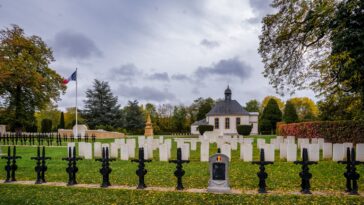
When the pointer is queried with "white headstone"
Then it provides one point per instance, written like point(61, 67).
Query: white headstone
point(131, 147)
point(248, 140)
point(314, 152)
point(204, 151)
point(280, 139)
point(359, 152)
point(97, 150)
point(161, 139)
point(141, 141)
point(327, 151)
point(124, 152)
point(194, 144)
point(283, 151)
point(81, 149)
point(260, 143)
point(163, 155)
point(338, 154)
point(114, 149)
point(291, 139)
point(87, 152)
point(291, 152)
point(226, 150)
point(314, 140)
point(269, 152)
point(321, 142)
point(247, 152)
point(185, 151)
point(234, 144)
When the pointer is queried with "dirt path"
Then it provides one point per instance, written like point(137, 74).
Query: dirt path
point(192, 190)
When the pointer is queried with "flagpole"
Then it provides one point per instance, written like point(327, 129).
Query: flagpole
point(76, 105)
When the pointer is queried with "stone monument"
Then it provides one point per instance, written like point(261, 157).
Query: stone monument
point(148, 131)
point(219, 169)
point(2, 129)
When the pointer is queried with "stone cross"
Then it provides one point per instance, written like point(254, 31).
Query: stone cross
point(351, 175)
point(105, 169)
point(41, 166)
point(72, 168)
point(141, 171)
point(11, 166)
point(179, 171)
point(262, 175)
point(305, 174)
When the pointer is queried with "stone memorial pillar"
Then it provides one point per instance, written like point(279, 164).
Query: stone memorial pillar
point(219, 177)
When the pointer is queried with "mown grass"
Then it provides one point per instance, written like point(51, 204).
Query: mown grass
point(327, 176)
point(25, 194)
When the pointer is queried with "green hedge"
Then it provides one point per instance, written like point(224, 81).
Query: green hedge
point(203, 128)
point(332, 131)
point(244, 129)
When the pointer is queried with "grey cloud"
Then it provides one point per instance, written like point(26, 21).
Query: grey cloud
point(159, 76)
point(180, 77)
point(226, 67)
point(209, 43)
point(126, 72)
point(75, 45)
point(145, 93)
point(260, 8)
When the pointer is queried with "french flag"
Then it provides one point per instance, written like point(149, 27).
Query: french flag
point(72, 77)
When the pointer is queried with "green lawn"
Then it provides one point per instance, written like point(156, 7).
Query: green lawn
point(18, 194)
point(283, 176)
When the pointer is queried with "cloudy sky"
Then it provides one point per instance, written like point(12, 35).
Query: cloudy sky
point(158, 51)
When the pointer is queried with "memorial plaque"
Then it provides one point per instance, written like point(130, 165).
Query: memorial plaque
point(219, 178)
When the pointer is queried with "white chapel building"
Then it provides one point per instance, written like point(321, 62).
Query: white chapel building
point(226, 115)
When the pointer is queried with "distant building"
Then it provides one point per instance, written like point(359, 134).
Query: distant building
point(226, 115)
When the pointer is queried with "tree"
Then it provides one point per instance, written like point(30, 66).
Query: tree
point(70, 117)
point(340, 107)
point(305, 107)
point(49, 112)
point(179, 119)
point(316, 45)
point(290, 113)
point(268, 98)
point(270, 116)
point(61, 122)
point(27, 83)
point(252, 106)
point(101, 108)
point(134, 117)
point(46, 125)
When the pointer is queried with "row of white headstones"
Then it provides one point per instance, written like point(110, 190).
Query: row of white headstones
point(287, 147)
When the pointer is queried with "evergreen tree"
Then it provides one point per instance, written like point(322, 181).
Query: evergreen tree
point(134, 117)
point(61, 122)
point(252, 106)
point(101, 108)
point(270, 116)
point(290, 113)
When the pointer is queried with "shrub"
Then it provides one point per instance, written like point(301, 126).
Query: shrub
point(332, 131)
point(46, 125)
point(270, 116)
point(244, 129)
point(203, 128)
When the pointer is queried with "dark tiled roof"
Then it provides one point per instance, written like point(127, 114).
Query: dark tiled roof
point(200, 122)
point(227, 107)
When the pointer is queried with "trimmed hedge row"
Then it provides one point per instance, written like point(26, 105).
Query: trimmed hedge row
point(332, 131)
point(203, 128)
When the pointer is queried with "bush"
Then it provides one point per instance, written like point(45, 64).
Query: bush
point(244, 129)
point(332, 131)
point(203, 128)
point(46, 125)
